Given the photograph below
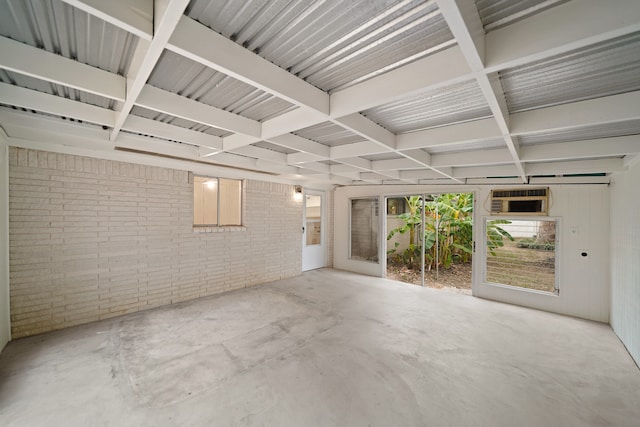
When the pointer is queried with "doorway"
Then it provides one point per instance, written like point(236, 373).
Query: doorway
point(314, 247)
point(430, 240)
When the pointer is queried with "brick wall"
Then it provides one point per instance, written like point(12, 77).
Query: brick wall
point(91, 239)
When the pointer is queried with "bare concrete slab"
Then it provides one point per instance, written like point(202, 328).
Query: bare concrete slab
point(327, 348)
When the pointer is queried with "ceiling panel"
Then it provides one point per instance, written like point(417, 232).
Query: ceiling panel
point(329, 134)
point(55, 89)
point(602, 69)
point(624, 128)
point(188, 78)
point(452, 104)
point(177, 121)
point(61, 29)
point(331, 44)
point(500, 13)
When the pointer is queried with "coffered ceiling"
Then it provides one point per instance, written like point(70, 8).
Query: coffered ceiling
point(332, 92)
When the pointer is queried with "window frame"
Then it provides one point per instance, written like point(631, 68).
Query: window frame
point(218, 206)
point(380, 231)
point(558, 222)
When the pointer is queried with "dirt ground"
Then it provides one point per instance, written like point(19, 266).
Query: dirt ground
point(455, 279)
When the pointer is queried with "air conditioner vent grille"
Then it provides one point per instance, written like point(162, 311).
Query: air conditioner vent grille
point(534, 192)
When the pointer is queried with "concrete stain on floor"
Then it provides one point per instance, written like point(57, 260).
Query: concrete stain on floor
point(327, 348)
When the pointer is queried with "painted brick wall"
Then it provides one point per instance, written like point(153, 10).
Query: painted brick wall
point(91, 239)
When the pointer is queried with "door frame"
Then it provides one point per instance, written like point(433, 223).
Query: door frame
point(322, 252)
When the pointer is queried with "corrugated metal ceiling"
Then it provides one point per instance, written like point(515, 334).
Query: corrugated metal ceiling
point(61, 29)
point(452, 104)
point(602, 69)
point(500, 13)
point(177, 121)
point(629, 127)
point(329, 134)
point(329, 43)
point(185, 77)
point(55, 89)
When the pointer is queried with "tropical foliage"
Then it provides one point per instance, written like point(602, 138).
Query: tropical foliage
point(448, 231)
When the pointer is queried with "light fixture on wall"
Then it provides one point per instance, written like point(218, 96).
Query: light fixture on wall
point(297, 194)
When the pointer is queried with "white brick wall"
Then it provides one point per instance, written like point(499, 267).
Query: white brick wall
point(92, 239)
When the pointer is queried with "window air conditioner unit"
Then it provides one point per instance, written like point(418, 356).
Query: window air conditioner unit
point(520, 201)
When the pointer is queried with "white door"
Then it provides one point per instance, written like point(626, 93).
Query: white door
point(314, 246)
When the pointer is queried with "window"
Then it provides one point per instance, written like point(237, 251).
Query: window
point(217, 201)
point(365, 227)
point(396, 206)
point(522, 253)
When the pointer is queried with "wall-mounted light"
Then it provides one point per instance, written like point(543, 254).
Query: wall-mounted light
point(211, 184)
point(297, 193)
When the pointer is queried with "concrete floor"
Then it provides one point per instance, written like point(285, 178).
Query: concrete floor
point(327, 348)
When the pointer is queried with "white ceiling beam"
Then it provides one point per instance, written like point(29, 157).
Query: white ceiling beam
point(606, 179)
point(478, 130)
point(52, 104)
point(197, 42)
point(394, 164)
point(437, 70)
point(164, 130)
point(344, 168)
point(577, 166)
point(233, 159)
point(607, 109)
point(356, 149)
point(602, 147)
point(569, 26)
point(365, 176)
point(358, 162)
point(166, 14)
point(262, 153)
point(315, 167)
point(360, 125)
point(237, 140)
point(139, 143)
point(278, 168)
point(24, 59)
point(301, 144)
point(134, 16)
point(472, 158)
point(179, 106)
point(426, 160)
point(26, 125)
point(420, 174)
point(291, 121)
point(298, 158)
point(486, 171)
point(464, 22)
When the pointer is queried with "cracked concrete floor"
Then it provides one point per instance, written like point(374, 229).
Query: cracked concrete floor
point(327, 348)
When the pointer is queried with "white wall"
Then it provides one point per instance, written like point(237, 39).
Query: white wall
point(5, 325)
point(625, 258)
point(583, 282)
point(582, 212)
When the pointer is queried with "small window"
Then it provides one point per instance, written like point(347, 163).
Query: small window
point(396, 206)
point(522, 253)
point(217, 201)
